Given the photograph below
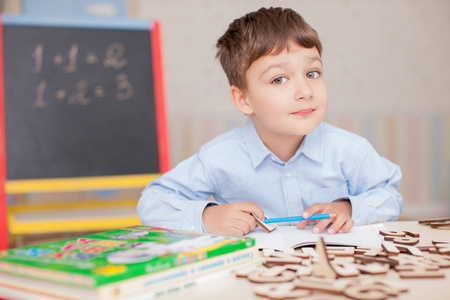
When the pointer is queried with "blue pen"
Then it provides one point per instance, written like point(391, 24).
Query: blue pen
point(299, 218)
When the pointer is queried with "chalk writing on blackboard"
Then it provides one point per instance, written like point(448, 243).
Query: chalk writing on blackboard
point(82, 93)
point(80, 98)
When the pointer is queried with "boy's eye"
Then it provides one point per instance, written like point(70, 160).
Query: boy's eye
point(279, 80)
point(313, 74)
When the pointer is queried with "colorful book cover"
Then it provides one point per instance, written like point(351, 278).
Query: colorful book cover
point(108, 257)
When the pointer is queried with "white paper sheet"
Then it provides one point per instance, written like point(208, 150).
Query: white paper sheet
point(289, 236)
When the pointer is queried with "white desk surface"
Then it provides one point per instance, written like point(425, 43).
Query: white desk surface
point(230, 287)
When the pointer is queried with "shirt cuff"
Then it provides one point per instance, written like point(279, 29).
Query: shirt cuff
point(359, 208)
point(193, 216)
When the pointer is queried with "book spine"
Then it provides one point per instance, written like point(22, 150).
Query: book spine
point(49, 275)
point(62, 272)
point(178, 275)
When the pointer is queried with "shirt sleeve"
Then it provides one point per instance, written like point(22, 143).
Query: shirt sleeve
point(177, 199)
point(373, 187)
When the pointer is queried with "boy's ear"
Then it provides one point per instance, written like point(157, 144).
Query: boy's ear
point(239, 100)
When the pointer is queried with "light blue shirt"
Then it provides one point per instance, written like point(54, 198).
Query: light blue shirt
point(236, 166)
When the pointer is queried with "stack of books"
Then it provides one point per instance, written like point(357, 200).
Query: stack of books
point(119, 263)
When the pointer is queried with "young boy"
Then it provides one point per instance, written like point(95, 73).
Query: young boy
point(285, 161)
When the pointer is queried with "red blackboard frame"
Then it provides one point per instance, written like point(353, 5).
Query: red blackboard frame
point(161, 123)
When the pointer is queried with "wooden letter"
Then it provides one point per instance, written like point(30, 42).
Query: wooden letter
point(281, 291)
point(323, 267)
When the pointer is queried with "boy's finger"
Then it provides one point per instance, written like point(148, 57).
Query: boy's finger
point(337, 224)
point(303, 224)
point(313, 209)
point(249, 219)
point(321, 225)
point(250, 207)
point(243, 225)
point(234, 231)
point(347, 226)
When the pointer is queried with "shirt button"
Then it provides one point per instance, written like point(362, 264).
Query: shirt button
point(289, 174)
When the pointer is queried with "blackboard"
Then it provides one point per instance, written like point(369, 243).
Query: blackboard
point(79, 98)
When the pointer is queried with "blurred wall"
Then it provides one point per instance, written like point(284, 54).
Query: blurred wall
point(386, 65)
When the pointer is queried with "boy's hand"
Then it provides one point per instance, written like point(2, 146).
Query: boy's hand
point(231, 218)
point(341, 223)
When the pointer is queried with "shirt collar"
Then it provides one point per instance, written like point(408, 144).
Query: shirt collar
point(311, 145)
point(256, 148)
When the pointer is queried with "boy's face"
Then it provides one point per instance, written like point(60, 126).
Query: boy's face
point(286, 94)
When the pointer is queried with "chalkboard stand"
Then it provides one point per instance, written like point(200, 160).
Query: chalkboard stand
point(147, 142)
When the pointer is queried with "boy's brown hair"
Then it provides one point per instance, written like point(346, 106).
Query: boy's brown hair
point(266, 31)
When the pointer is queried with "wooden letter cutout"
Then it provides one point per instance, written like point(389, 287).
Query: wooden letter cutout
point(390, 248)
point(266, 227)
point(373, 268)
point(406, 241)
point(392, 233)
point(411, 250)
point(323, 267)
point(417, 272)
point(341, 251)
point(285, 276)
point(321, 284)
point(281, 291)
point(300, 270)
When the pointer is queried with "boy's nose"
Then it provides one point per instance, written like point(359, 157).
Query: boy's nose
point(303, 90)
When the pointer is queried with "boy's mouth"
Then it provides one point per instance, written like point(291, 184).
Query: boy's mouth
point(304, 112)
